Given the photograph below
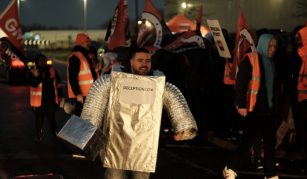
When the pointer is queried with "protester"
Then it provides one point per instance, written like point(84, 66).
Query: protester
point(256, 101)
point(92, 54)
point(122, 156)
point(80, 72)
point(116, 58)
point(45, 95)
point(293, 65)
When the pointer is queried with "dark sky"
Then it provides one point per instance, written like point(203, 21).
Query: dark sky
point(64, 13)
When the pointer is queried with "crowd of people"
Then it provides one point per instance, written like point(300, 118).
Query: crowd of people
point(270, 83)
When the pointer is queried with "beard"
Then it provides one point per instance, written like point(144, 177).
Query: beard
point(142, 71)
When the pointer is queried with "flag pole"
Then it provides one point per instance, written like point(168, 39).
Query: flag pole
point(136, 16)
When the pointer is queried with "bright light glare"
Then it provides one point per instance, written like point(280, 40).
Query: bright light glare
point(148, 24)
point(184, 5)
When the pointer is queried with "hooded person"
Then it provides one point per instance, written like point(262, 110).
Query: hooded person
point(255, 100)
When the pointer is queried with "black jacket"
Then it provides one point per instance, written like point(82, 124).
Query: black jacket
point(48, 94)
point(244, 76)
point(74, 67)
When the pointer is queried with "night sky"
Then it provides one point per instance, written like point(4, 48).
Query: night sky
point(65, 13)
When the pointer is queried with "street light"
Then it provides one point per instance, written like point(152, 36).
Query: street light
point(18, 6)
point(185, 5)
point(84, 15)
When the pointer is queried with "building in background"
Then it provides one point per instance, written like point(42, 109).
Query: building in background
point(59, 39)
point(271, 14)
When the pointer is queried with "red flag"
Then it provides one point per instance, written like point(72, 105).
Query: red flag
point(186, 41)
point(10, 24)
point(152, 28)
point(149, 7)
point(117, 28)
point(199, 17)
point(243, 44)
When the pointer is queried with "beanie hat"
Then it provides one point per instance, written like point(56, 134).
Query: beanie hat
point(82, 38)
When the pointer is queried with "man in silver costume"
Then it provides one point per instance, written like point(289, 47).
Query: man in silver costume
point(129, 151)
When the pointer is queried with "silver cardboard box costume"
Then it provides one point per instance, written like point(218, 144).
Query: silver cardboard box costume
point(128, 110)
point(83, 135)
point(134, 116)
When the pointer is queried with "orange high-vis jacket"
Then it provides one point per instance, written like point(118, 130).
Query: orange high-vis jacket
point(254, 83)
point(36, 92)
point(85, 78)
point(302, 80)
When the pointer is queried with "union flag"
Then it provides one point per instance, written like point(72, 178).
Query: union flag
point(10, 25)
point(116, 33)
point(244, 43)
point(186, 41)
point(152, 28)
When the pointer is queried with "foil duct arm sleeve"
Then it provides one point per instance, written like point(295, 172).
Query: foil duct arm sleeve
point(179, 112)
point(96, 101)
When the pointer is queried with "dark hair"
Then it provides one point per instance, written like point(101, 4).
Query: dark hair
point(138, 50)
point(123, 53)
point(40, 56)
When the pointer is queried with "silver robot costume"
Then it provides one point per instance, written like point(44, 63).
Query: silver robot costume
point(131, 124)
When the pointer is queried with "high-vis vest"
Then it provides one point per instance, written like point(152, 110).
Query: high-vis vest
point(254, 83)
point(85, 78)
point(302, 81)
point(36, 92)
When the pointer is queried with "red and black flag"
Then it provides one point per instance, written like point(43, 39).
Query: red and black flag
point(152, 28)
point(189, 39)
point(116, 33)
point(10, 25)
point(186, 41)
point(199, 18)
point(244, 43)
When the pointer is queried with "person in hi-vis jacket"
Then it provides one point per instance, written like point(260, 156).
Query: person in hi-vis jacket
point(80, 72)
point(45, 94)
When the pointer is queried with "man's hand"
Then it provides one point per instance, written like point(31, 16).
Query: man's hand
point(80, 98)
point(242, 111)
point(35, 72)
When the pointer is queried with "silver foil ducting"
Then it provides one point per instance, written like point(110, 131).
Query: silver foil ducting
point(96, 102)
point(179, 112)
